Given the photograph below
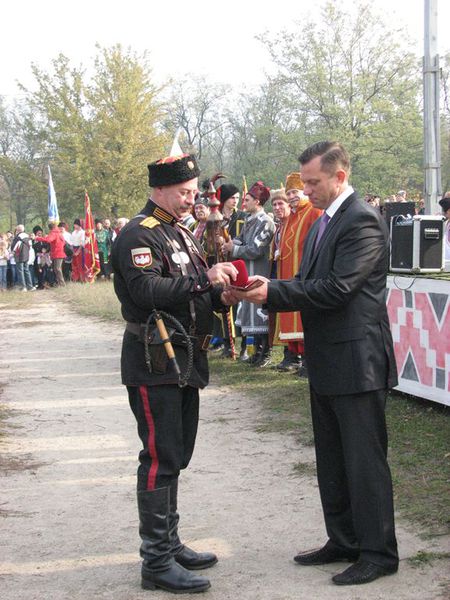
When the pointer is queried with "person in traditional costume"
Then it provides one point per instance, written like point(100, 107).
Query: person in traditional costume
point(233, 217)
point(233, 221)
point(281, 211)
point(201, 212)
point(289, 327)
point(77, 241)
point(253, 246)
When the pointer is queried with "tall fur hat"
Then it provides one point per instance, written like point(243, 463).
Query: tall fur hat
point(294, 182)
point(445, 203)
point(172, 170)
point(225, 191)
point(260, 192)
point(199, 199)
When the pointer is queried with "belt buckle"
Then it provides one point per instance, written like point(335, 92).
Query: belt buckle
point(206, 341)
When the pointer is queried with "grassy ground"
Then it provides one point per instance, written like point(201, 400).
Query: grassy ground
point(418, 429)
point(418, 438)
point(419, 449)
point(16, 299)
point(93, 300)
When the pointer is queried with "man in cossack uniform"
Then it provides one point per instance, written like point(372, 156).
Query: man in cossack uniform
point(158, 264)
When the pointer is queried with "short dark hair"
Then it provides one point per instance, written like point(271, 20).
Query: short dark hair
point(333, 155)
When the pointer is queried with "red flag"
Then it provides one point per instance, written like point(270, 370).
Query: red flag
point(91, 259)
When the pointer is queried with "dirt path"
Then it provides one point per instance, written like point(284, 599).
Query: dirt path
point(67, 508)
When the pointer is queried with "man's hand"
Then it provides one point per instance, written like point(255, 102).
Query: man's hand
point(227, 298)
point(257, 295)
point(222, 274)
point(228, 246)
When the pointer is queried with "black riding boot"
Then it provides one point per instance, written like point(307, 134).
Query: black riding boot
point(290, 362)
point(183, 555)
point(226, 352)
point(159, 569)
point(243, 352)
point(264, 356)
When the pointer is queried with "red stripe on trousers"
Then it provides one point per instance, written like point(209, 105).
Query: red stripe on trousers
point(151, 442)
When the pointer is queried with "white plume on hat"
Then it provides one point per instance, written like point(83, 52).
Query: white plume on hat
point(176, 148)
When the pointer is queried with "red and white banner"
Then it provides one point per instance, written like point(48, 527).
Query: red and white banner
point(419, 311)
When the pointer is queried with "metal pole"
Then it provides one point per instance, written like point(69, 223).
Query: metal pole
point(431, 116)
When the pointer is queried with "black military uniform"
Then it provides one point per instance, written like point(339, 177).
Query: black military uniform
point(158, 264)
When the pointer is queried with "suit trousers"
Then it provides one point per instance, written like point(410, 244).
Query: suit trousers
point(353, 474)
point(167, 421)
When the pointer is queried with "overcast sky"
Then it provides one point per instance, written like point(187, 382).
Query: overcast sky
point(205, 37)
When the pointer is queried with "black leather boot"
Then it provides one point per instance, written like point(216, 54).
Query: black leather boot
point(265, 353)
point(183, 555)
point(290, 362)
point(159, 569)
point(226, 352)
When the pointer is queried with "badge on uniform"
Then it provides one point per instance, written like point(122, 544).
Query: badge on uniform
point(142, 257)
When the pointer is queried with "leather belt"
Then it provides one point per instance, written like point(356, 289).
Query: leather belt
point(177, 338)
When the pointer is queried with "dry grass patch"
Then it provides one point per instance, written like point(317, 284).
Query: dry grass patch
point(93, 300)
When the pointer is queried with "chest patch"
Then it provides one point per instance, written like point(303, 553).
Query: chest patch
point(141, 257)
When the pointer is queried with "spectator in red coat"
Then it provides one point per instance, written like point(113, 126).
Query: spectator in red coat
point(56, 240)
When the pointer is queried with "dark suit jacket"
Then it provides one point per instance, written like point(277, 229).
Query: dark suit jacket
point(341, 293)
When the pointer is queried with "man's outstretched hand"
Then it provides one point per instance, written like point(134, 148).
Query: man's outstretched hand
point(256, 295)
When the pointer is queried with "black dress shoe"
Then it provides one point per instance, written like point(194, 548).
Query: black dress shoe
point(323, 556)
point(189, 559)
point(362, 572)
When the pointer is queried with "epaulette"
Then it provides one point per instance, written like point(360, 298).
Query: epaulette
point(150, 222)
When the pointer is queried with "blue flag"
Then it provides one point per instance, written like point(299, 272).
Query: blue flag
point(53, 216)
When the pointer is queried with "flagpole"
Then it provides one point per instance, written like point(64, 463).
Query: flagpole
point(52, 208)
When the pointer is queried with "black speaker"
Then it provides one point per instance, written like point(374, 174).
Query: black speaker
point(393, 209)
point(417, 244)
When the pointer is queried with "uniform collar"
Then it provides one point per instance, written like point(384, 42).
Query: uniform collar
point(152, 209)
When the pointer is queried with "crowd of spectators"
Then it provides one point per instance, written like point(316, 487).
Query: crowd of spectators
point(31, 261)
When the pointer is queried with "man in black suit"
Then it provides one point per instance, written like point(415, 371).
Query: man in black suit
point(340, 290)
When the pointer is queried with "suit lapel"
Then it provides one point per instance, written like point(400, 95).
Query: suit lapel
point(312, 254)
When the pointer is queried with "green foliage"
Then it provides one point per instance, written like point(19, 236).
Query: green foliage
point(60, 103)
point(21, 146)
point(124, 114)
point(96, 135)
point(264, 140)
point(350, 80)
